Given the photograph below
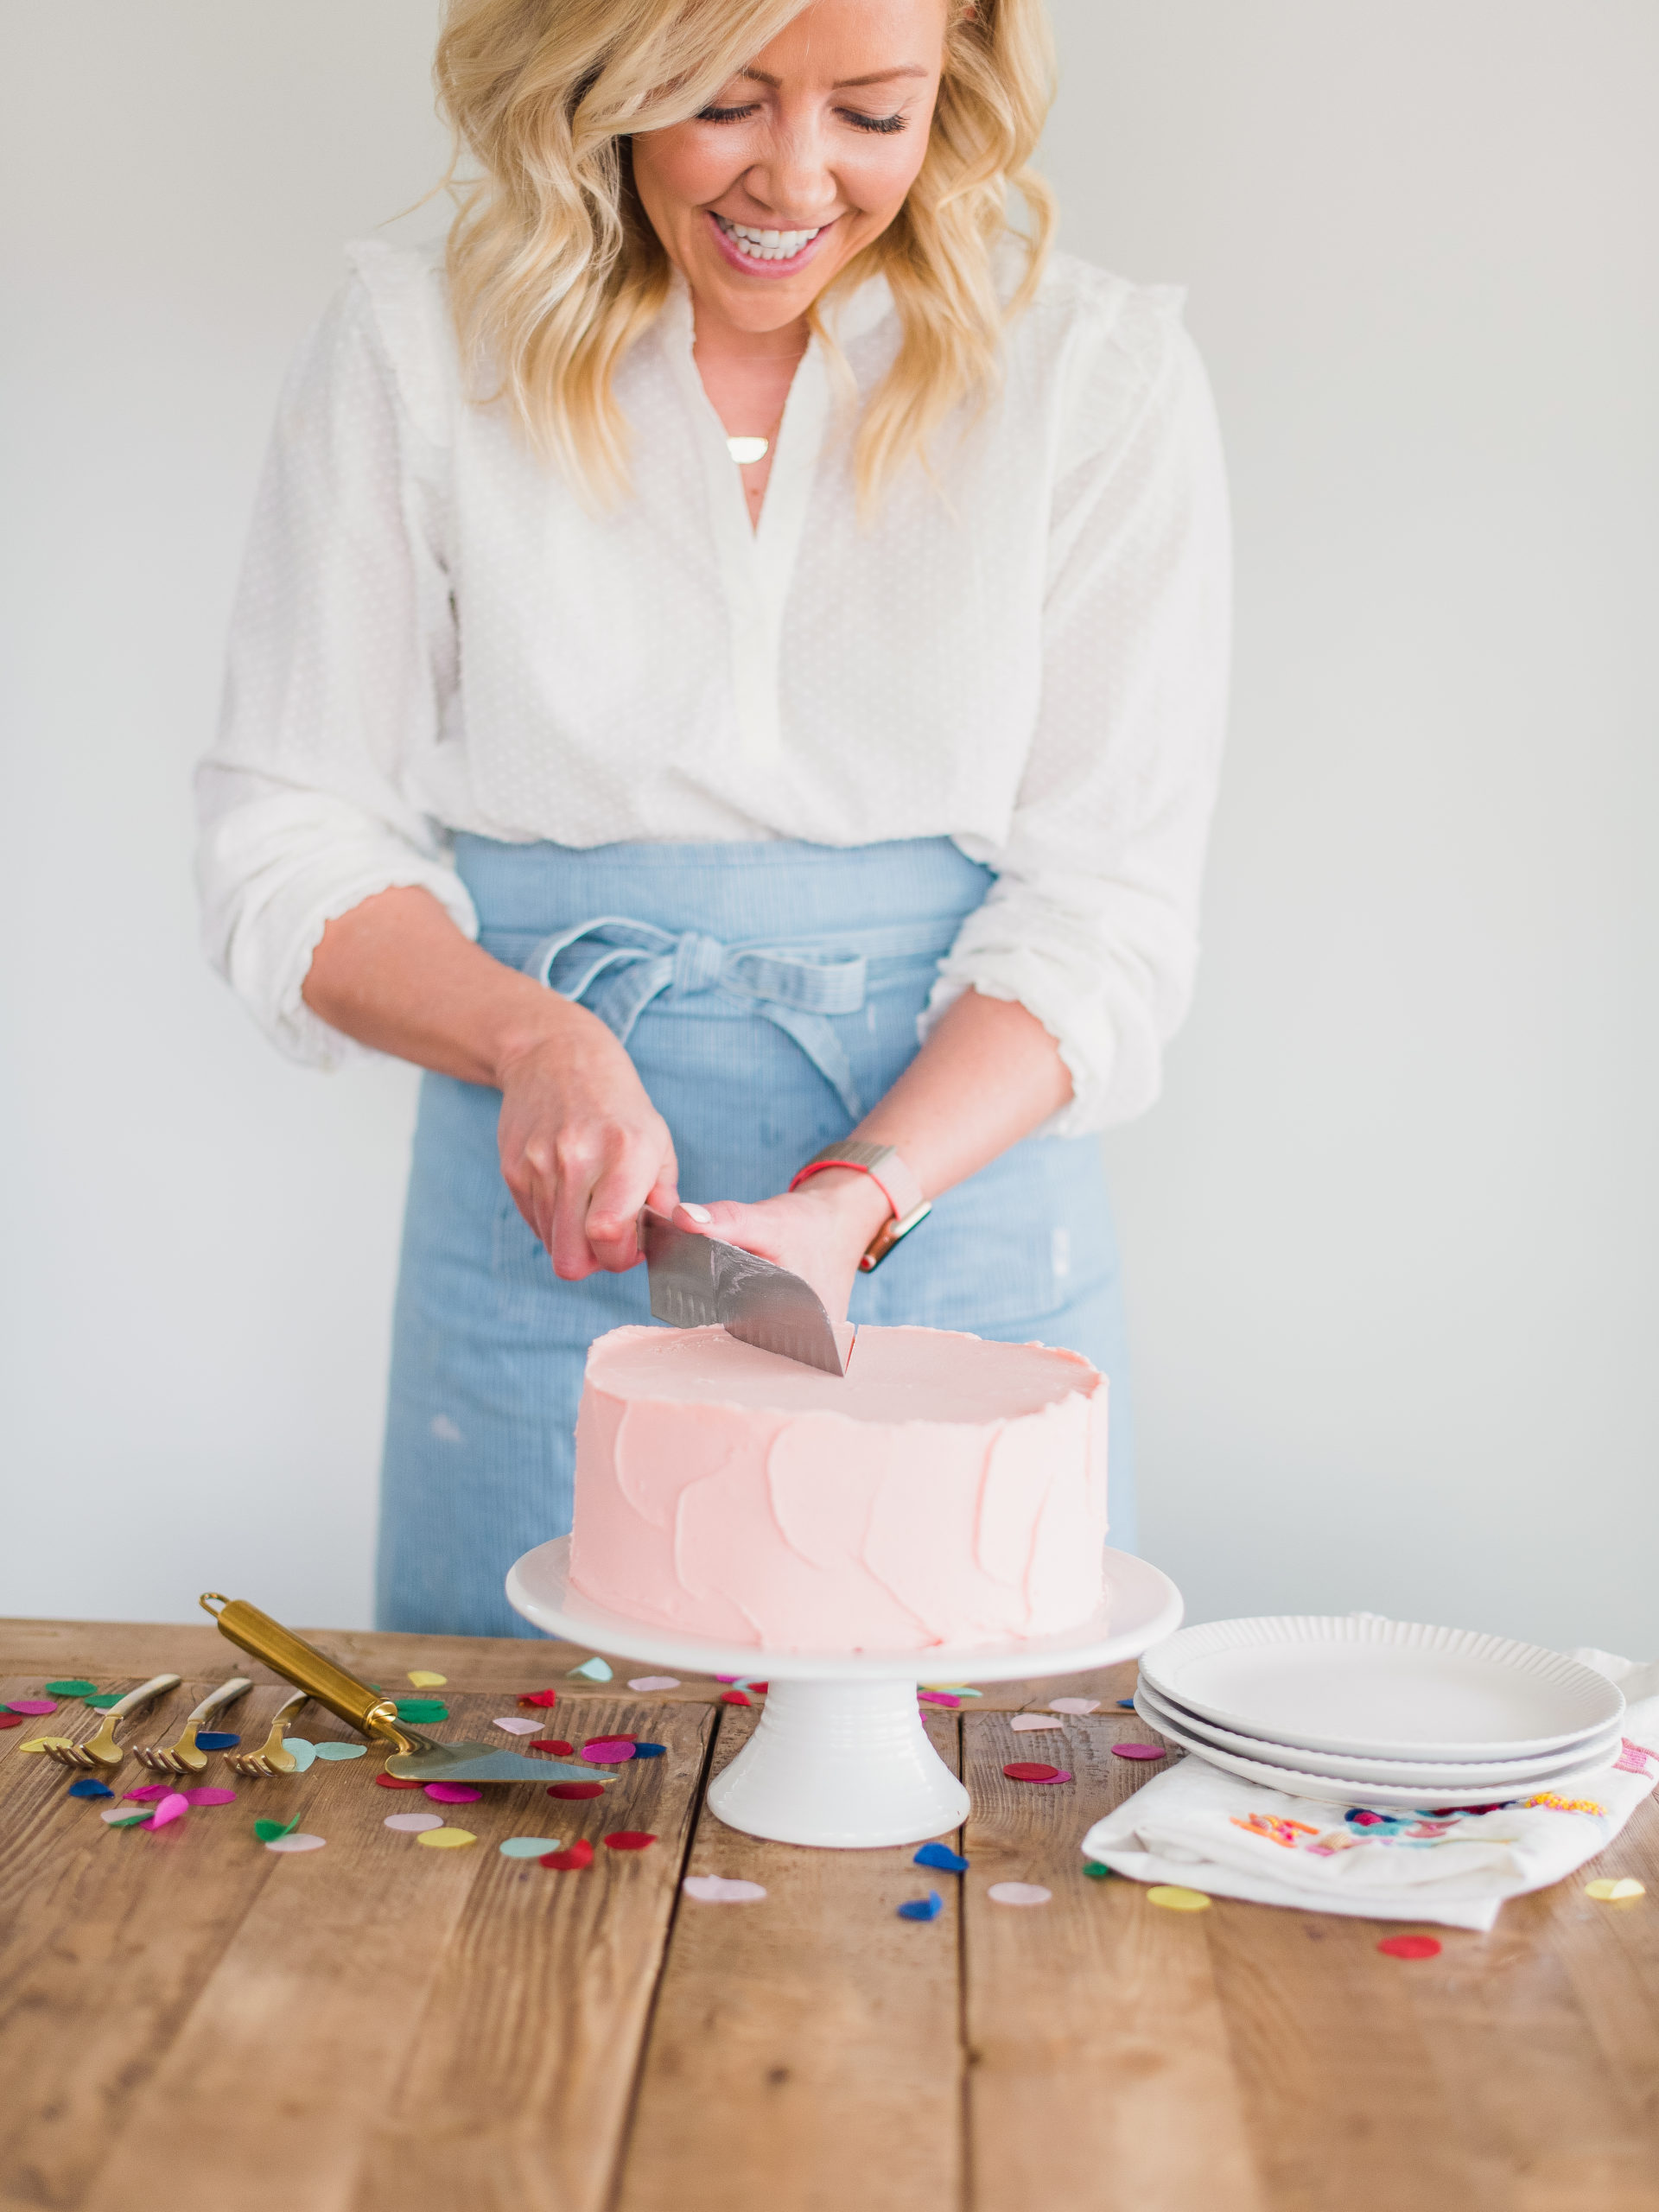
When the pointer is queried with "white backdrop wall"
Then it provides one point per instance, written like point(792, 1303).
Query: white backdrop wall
point(1388, 1234)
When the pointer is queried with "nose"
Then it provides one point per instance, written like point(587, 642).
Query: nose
point(793, 180)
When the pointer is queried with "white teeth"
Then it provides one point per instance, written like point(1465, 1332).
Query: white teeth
point(766, 246)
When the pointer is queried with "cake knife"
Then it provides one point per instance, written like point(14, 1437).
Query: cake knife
point(417, 1757)
point(701, 1282)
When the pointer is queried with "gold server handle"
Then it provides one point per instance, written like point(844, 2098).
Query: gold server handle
point(308, 1669)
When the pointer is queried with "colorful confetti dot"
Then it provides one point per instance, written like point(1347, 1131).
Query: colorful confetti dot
point(1139, 1752)
point(608, 1751)
point(416, 1823)
point(124, 1816)
point(644, 1682)
point(546, 1698)
point(205, 1796)
point(529, 1847)
point(1025, 1721)
point(216, 1740)
point(927, 1908)
point(338, 1751)
point(942, 1856)
point(87, 1788)
point(517, 1725)
point(397, 1782)
point(1410, 1947)
point(553, 1746)
point(1096, 1872)
point(73, 1688)
point(1034, 1770)
point(10, 1720)
point(735, 1697)
point(1074, 1705)
point(572, 1861)
point(1019, 1893)
point(447, 1839)
point(101, 1700)
point(1126, 1704)
point(147, 1793)
point(595, 1670)
point(172, 1807)
point(576, 1790)
point(33, 1705)
point(1175, 1899)
point(415, 1710)
point(650, 1751)
point(269, 1831)
point(424, 1679)
point(629, 1839)
point(303, 1752)
point(286, 1843)
point(453, 1793)
point(1611, 1892)
point(936, 1697)
point(716, 1889)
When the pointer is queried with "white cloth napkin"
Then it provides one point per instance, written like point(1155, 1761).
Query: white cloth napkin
point(1206, 1830)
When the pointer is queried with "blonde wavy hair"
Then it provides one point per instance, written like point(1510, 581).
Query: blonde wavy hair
point(555, 268)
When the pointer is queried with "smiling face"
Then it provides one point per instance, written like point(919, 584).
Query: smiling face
point(802, 160)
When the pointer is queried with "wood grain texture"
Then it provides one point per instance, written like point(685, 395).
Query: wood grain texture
point(805, 2053)
point(1102, 2075)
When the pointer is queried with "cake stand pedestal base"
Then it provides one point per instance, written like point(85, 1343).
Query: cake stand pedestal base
point(846, 1763)
point(839, 1757)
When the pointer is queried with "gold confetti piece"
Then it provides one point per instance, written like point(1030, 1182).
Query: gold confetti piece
point(1609, 1892)
point(1174, 1899)
point(424, 1679)
point(447, 1839)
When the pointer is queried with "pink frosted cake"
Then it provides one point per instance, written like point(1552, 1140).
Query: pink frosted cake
point(946, 1490)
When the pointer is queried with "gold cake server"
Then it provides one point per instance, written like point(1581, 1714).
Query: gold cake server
point(417, 1756)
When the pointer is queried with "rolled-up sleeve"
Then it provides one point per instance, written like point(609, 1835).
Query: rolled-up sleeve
point(341, 664)
point(1092, 922)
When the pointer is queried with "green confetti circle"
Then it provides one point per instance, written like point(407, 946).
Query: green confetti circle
point(75, 1688)
point(416, 1709)
point(103, 1699)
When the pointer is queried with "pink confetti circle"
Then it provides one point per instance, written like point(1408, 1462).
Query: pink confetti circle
point(1019, 1893)
point(171, 1808)
point(1029, 1721)
point(33, 1705)
point(452, 1793)
point(148, 1793)
point(211, 1796)
point(1139, 1752)
point(608, 1751)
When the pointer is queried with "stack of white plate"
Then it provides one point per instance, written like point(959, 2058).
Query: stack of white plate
point(1359, 1710)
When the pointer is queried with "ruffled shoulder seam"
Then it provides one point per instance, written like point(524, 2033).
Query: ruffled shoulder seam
point(408, 296)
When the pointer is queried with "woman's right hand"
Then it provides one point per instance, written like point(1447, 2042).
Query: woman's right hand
point(582, 1148)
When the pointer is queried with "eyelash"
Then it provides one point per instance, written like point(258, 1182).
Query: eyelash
point(878, 122)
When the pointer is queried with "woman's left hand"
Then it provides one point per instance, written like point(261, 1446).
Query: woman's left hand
point(818, 1232)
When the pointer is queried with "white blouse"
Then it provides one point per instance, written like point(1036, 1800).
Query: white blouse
point(1028, 655)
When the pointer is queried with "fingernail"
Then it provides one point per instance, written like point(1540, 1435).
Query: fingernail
point(696, 1212)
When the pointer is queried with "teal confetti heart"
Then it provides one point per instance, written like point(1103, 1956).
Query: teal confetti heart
point(529, 1847)
point(596, 1670)
point(303, 1752)
point(341, 1751)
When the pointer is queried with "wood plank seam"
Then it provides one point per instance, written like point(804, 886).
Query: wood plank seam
point(625, 2133)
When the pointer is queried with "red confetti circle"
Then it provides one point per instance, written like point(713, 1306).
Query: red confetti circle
point(11, 1719)
point(576, 1790)
point(1139, 1752)
point(732, 1697)
point(580, 1854)
point(1410, 1946)
point(555, 1747)
point(397, 1782)
point(538, 1697)
point(629, 1839)
point(760, 1688)
point(1031, 1770)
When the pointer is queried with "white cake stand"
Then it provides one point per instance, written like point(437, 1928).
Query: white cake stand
point(841, 1758)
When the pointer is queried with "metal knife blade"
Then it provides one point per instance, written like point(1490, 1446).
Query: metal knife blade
point(483, 1763)
point(700, 1282)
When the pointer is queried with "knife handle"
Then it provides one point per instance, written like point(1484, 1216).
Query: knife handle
point(303, 1664)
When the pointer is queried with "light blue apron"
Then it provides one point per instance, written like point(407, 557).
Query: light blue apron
point(768, 994)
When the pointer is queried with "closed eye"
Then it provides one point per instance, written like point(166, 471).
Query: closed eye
point(726, 114)
point(895, 122)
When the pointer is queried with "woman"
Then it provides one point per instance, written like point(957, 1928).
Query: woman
point(731, 664)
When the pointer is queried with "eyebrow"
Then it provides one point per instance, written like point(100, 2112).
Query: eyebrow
point(845, 84)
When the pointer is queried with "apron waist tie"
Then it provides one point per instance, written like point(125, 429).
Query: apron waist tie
point(616, 967)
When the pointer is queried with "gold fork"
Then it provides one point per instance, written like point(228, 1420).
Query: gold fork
point(102, 1750)
point(182, 1756)
point(272, 1757)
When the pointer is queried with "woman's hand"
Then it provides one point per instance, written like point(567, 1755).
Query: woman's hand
point(582, 1148)
point(818, 1232)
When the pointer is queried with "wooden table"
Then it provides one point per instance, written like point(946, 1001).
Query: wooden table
point(379, 2027)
